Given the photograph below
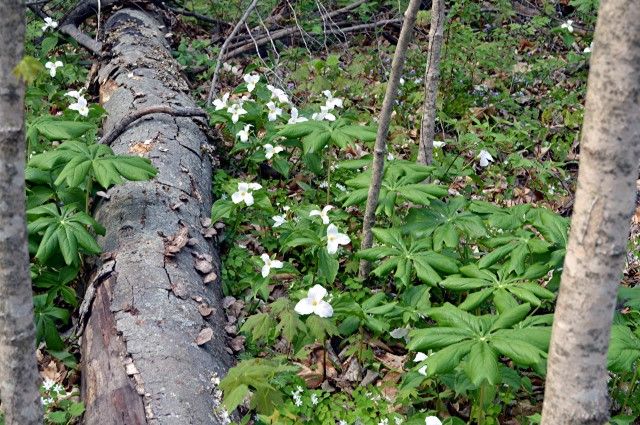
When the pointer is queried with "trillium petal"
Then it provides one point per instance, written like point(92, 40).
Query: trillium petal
point(323, 309)
point(432, 420)
point(304, 306)
point(276, 264)
point(332, 246)
point(265, 258)
point(265, 270)
point(248, 199)
point(316, 293)
point(343, 239)
point(236, 198)
point(332, 230)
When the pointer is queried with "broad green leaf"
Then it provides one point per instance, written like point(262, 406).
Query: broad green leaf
point(482, 364)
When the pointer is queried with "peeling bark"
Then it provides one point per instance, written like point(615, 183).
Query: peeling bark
point(140, 360)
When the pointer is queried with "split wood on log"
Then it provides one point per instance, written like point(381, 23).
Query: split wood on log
point(141, 362)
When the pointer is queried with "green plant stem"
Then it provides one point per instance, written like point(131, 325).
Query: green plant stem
point(328, 178)
point(631, 389)
point(89, 188)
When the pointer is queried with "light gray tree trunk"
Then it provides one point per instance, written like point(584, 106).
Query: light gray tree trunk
point(19, 380)
point(576, 386)
point(431, 80)
point(380, 147)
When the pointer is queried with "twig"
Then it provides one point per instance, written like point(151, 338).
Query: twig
point(347, 8)
point(110, 137)
point(302, 32)
point(431, 79)
point(198, 16)
point(380, 147)
point(276, 35)
point(214, 80)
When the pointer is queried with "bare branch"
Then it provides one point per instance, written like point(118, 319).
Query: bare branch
point(214, 80)
point(380, 147)
point(431, 79)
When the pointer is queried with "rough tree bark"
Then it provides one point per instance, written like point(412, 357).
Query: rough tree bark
point(141, 362)
point(576, 386)
point(431, 80)
point(19, 380)
point(380, 147)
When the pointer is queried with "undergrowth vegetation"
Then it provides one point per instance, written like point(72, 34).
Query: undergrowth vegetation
point(453, 323)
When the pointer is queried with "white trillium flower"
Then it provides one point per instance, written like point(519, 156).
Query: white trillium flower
point(335, 239)
point(324, 214)
point(236, 112)
point(74, 93)
point(255, 186)
point(295, 117)
point(588, 49)
point(244, 134)
point(273, 111)
point(314, 303)
point(439, 144)
point(277, 93)
point(270, 150)
point(222, 103)
point(419, 358)
point(432, 420)
point(568, 25)
point(244, 193)
point(49, 23)
point(332, 102)
point(81, 106)
point(324, 114)
point(251, 81)
point(278, 220)
point(484, 157)
point(52, 66)
point(269, 264)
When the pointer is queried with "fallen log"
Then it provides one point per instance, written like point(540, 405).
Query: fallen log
point(153, 347)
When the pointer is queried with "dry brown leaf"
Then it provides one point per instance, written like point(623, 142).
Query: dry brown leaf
point(205, 310)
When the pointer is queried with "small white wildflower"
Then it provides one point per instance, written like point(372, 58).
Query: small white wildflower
point(269, 264)
point(390, 157)
point(222, 103)
point(589, 48)
point(236, 112)
point(277, 93)
point(324, 214)
point(295, 118)
point(49, 23)
point(59, 389)
point(48, 384)
point(314, 399)
point(74, 93)
point(335, 238)
point(46, 401)
point(324, 114)
point(323, 184)
point(398, 420)
point(286, 208)
point(278, 220)
point(432, 420)
point(568, 25)
point(243, 194)
point(484, 157)
point(439, 144)
point(270, 150)
point(81, 106)
point(244, 133)
point(251, 81)
point(332, 102)
point(52, 66)
point(273, 111)
point(314, 303)
point(341, 187)
point(384, 421)
point(420, 357)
